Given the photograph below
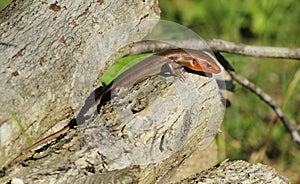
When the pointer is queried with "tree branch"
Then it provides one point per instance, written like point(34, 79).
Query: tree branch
point(218, 46)
point(266, 98)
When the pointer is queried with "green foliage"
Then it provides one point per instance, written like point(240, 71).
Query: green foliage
point(269, 21)
point(4, 3)
point(18, 121)
point(120, 66)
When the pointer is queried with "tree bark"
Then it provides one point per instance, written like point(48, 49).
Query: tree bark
point(50, 60)
point(151, 130)
point(237, 172)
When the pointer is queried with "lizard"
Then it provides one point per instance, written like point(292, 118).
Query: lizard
point(160, 63)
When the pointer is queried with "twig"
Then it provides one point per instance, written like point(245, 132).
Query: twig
point(217, 46)
point(256, 51)
point(265, 97)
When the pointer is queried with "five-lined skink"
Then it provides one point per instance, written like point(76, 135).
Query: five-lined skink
point(165, 62)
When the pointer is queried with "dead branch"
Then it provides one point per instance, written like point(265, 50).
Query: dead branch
point(266, 98)
point(219, 46)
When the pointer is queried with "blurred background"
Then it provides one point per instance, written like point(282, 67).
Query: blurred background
point(251, 130)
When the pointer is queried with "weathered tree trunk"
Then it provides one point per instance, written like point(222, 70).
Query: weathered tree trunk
point(42, 51)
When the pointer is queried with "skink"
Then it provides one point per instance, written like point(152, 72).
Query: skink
point(165, 62)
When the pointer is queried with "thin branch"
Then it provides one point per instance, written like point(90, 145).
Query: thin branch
point(265, 97)
point(217, 46)
point(256, 51)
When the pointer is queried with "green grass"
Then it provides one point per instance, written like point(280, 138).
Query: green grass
point(23, 132)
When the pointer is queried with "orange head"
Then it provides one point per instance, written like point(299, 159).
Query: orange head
point(199, 61)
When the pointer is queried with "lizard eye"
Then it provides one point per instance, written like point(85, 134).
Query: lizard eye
point(208, 65)
point(195, 62)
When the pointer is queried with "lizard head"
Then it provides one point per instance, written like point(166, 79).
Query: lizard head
point(199, 61)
